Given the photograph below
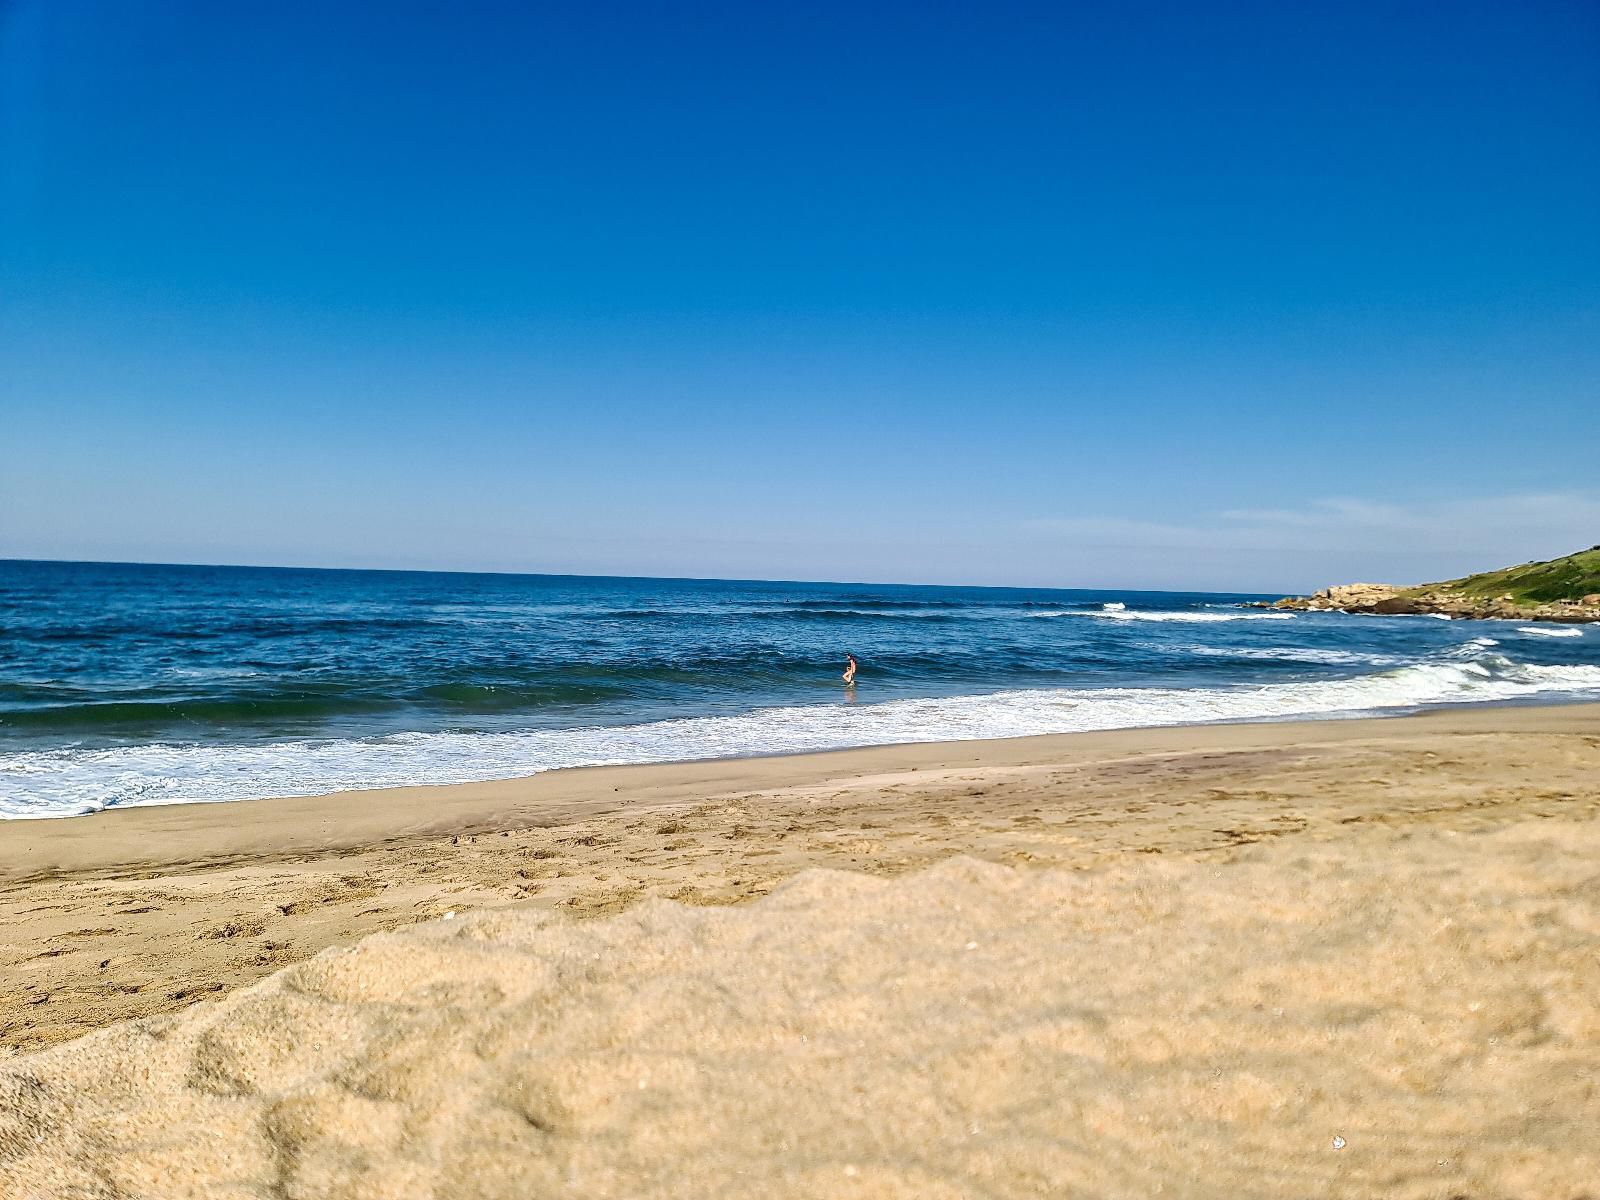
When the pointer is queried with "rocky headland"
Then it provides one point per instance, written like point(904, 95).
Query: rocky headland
point(1563, 589)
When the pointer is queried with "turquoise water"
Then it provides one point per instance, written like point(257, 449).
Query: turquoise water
point(124, 684)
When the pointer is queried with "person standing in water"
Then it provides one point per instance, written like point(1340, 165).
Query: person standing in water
point(849, 675)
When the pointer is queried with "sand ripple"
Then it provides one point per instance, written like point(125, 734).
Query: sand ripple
point(1389, 1016)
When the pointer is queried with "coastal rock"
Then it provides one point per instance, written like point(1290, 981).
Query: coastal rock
point(1538, 595)
point(1383, 600)
point(1348, 597)
point(1372, 599)
point(1358, 596)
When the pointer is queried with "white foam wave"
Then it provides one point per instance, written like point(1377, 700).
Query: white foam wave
point(1114, 606)
point(62, 782)
point(1473, 648)
point(1207, 617)
point(1548, 631)
point(1304, 654)
point(1122, 613)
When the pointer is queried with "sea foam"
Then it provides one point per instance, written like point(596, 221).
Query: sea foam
point(1121, 612)
point(62, 782)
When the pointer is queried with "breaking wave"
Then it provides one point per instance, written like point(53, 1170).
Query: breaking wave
point(1123, 613)
point(1297, 654)
point(60, 782)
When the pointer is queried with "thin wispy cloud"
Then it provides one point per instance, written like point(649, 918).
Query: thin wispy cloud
point(1337, 538)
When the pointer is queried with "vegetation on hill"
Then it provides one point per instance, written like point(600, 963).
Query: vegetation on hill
point(1569, 578)
point(1563, 589)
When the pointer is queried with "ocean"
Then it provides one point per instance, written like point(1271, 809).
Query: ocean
point(139, 684)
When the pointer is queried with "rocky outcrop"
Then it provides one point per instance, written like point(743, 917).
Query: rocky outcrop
point(1348, 597)
point(1558, 589)
point(1382, 599)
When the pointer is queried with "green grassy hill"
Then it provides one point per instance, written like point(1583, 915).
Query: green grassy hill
point(1568, 578)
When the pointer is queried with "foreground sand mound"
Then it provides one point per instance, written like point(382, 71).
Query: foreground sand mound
point(1382, 1016)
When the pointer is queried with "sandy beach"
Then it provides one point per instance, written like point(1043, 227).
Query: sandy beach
point(1353, 958)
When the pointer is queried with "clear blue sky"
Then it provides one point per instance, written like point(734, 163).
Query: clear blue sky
point(1192, 295)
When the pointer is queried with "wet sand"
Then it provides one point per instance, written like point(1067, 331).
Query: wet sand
point(1198, 956)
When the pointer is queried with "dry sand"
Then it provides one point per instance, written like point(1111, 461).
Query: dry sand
point(1250, 941)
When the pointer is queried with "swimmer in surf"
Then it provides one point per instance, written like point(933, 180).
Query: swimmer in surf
point(849, 675)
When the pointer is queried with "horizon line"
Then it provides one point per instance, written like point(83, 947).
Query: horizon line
point(998, 587)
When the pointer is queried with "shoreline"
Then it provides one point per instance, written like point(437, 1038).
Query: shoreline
point(143, 911)
point(476, 806)
point(336, 795)
point(62, 776)
point(1351, 957)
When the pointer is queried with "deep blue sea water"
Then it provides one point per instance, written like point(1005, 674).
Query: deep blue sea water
point(124, 685)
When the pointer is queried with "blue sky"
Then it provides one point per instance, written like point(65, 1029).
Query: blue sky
point(1256, 296)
